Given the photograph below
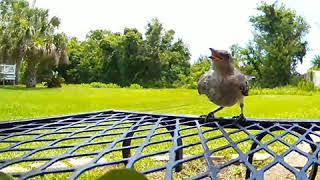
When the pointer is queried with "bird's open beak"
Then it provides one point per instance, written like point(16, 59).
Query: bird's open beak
point(215, 55)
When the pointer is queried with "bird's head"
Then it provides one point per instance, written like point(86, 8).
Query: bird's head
point(220, 56)
point(221, 59)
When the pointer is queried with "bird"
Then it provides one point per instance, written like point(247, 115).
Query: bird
point(224, 84)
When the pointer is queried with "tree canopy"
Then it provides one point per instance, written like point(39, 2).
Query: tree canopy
point(153, 59)
point(316, 62)
point(29, 34)
point(277, 47)
point(30, 39)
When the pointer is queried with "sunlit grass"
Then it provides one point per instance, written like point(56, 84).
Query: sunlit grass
point(19, 103)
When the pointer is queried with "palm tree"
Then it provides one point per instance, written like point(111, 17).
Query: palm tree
point(316, 61)
point(28, 34)
point(12, 32)
point(43, 44)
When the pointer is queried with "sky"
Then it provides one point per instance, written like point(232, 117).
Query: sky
point(200, 23)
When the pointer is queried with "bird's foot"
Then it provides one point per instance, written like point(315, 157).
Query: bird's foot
point(240, 118)
point(207, 117)
point(203, 116)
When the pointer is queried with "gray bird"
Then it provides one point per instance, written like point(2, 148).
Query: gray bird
point(223, 84)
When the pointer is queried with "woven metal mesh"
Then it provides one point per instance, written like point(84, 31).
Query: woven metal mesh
point(161, 146)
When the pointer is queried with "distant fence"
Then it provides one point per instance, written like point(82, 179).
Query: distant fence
point(7, 73)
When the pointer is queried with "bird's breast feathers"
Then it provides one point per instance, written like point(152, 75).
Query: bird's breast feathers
point(223, 91)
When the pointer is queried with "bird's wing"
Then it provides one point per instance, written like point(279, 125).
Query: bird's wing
point(244, 84)
point(249, 78)
point(244, 88)
point(208, 83)
point(203, 84)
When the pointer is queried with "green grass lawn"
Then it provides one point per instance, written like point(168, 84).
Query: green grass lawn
point(20, 103)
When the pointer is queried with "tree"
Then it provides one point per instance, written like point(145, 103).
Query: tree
point(174, 62)
point(90, 66)
point(156, 60)
point(316, 62)
point(132, 61)
point(277, 47)
point(29, 34)
point(112, 64)
point(152, 50)
point(152, 60)
point(168, 59)
point(201, 66)
point(248, 59)
point(13, 26)
point(71, 71)
point(42, 43)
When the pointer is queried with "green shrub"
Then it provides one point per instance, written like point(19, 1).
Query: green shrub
point(285, 90)
point(98, 85)
point(306, 86)
point(112, 85)
point(295, 79)
point(135, 86)
point(55, 81)
point(84, 85)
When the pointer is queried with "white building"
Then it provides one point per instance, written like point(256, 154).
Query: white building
point(313, 76)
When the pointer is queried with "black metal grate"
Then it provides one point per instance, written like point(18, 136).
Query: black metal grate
point(160, 146)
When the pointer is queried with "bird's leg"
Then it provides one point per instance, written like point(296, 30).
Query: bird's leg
point(241, 116)
point(211, 114)
point(241, 108)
